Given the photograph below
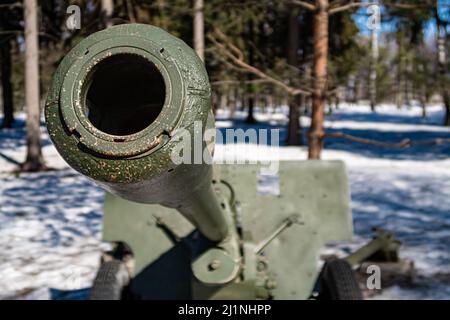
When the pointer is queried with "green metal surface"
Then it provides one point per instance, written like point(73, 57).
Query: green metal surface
point(138, 166)
point(287, 267)
point(187, 100)
point(383, 248)
point(318, 192)
point(230, 241)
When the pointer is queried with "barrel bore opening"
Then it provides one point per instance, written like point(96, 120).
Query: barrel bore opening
point(126, 94)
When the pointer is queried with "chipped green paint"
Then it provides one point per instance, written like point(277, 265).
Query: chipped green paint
point(138, 166)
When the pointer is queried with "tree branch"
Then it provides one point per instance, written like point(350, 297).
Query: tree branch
point(405, 5)
point(20, 32)
point(349, 6)
point(236, 82)
point(11, 5)
point(352, 5)
point(236, 56)
point(405, 143)
point(304, 4)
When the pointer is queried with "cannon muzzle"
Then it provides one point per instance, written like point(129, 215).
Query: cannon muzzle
point(113, 111)
point(129, 107)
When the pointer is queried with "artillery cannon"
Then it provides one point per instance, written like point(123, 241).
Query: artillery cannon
point(114, 112)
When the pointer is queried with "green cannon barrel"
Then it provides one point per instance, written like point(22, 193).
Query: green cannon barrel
point(113, 111)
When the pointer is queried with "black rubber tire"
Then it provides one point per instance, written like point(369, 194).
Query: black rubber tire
point(110, 281)
point(338, 282)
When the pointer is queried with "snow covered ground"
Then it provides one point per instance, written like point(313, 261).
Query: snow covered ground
point(50, 222)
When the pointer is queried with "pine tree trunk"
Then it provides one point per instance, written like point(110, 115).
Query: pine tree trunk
point(373, 70)
point(423, 100)
point(270, 101)
point(234, 101)
point(424, 107)
point(399, 100)
point(34, 160)
point(199, 33)
point(264, 104)
point(214, 103)
point(131, 12)
point(447, 109)
point(407, 99)
point(223, 100)
point(320, 29)
point(7, 91)
point(294, 123)
point(242, 96)
point(351, 89)
point(399, 93)
point(108, 9)
point(251, 57)
point(441, 56)
point(294, 129)
point(251, 107)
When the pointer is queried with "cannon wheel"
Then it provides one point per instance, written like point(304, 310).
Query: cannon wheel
point(111, 279)
point(338, 282)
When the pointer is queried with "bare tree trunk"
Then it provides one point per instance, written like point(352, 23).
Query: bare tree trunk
point(270, 100)
point(400, 71)
point(242, 95)
point(108, 9)
point(7, 90)
point(447, 109)
point(251, 107)
point(294, 132)
point(320, 27)
point(224, 100)
point(424, 106)
point(234, 100)
point(131, 11)
point(214, 102)
point(407, 82)
point(251, 99)
point(264, 104)
point(199, 32)
point(34, 160)
point(399, 99)
point(440, 39)
point(423, 100)
point(294, 129)
point(373, 69)
point(277, 102)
